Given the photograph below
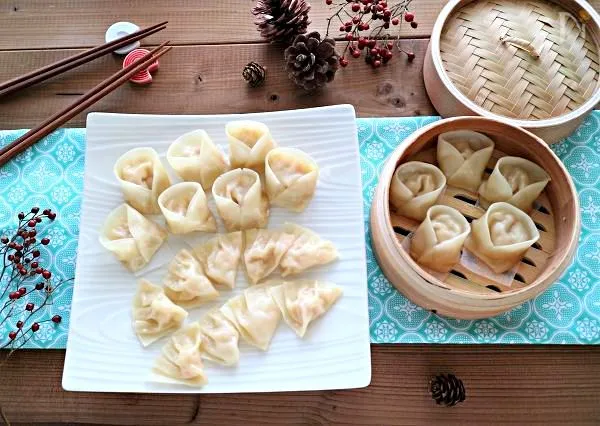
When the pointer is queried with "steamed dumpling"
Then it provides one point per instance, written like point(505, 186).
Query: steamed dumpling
point(307, 251)
point(180, 358)
point(264, 250)
point(463, 156)
point(185, 208)
point(220, 257)
point(438, 241)
point(249, 143)
point(501, 236)
point(186, 284)
point(220, 339)
point(254, 314)
point(303, 301)
point(516, 181)
point(194, 157)
point(131, 237)
point(143, 178)
point(240, 200)
point(290, 178)
point(154, 315)
point(415, 187)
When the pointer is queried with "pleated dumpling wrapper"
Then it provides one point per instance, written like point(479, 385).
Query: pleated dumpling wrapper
point(303, 301)
point(180, 358)
point(501, 236)
point(254, 314)
point(220, 257)
point(415, 187)
point(240, 200)
point(220, 339)
point(249, 144)
point(185, 282)
point(438, 241)
point(307, 251)
point(463, 156)
point(131, 237)
point(264, 249)
point(194, 157)
point(185, 209)
point(515, 180)
point(154, 315)
point(142, 178)
point(290, 178)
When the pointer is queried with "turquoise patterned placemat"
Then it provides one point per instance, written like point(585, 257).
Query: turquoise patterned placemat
point(50, 175)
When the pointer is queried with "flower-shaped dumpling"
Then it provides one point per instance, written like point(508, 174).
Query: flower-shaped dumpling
point(143, 178)
point(501, 236)
point(194, 157)
point(516, 181)
point(438, 241)
point(240, 200)
point(185, 208)
point(415, 187)
point(131, 237)
point(249, 143)
point(462, 156)
point(290, 178)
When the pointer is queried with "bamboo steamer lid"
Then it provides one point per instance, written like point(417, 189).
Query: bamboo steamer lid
point(533, 64)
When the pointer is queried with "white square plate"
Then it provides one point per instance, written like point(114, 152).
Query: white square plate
point(104, 355)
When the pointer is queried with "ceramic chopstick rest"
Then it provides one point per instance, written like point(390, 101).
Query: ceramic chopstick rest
point(121, 29)
point(144, 76)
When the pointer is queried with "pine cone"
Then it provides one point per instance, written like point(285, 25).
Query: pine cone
point(447, 390)
point(254, 74)
point(310, 62)
point(281, 20)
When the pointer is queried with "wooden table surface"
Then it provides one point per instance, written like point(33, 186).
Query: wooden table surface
point(214, 40)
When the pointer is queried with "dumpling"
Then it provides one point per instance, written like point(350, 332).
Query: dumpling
point(180, 358)
point(438, 241)
point(220, 257)
point(240, 200)
point(290, 178)
point(516, 181)
point(185, 208)
point(254, 314)
point(131, 237)
point(501, 236)
point(186, 284)
point(303, 301)
point(463, 156)
point(264, 250)
point(220, 339)
point(154, 315)
point(143, 178)
point(307, 250)
point(415, 187)
point(194, 157)
point(249, 143)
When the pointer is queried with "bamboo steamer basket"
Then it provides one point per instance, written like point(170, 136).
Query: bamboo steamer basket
point(464, 294)
point(533, 64)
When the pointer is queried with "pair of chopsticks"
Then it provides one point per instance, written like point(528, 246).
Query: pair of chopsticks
point(87, 99)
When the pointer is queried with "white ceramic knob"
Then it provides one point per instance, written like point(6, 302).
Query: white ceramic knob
point(118, 30)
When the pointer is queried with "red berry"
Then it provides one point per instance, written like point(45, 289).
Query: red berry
point(409, 16)
point(368, 8)
point(387, 12)
point(372, 43)
point(34, 210)
point(356, 53)
point(34, 264)
point(22, 291)
point(14, 295)
point(377, 63)
point(10, 257)
point(46, 274)
point(35, 327)
point(342, 28)
point(45, 241)
point(21, 216)
point(46, 211)
point(348, 37)
point(12, 335)
point(383, 3)
point(39, 286)
point(18, 246)
point(386, 25)
point(414, 24)
point(410, 55)
point(328, 2)
point(344, 62)
point(35, 253)
point(38, 219)
point(4, 240)
point(395, 21)
point(32, 233)
point(38, 270)
point(19, 324)
point(374, 51)
point(390, 44)
point(23, 271)
point(380, 7)
point(29, 307)
point(355, 7)
point(355, 20)
point(56, 319)
point(31, 223)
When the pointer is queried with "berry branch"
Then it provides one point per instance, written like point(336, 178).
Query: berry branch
point(376, 16)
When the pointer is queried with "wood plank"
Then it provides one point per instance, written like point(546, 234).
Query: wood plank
point(509, 384)
point(207, 80)
point(68, 23)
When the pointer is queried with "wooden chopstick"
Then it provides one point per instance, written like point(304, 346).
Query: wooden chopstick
point(88, 99)
point(71, 62)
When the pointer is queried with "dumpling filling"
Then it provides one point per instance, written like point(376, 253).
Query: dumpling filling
point(445, 227)
point(237, 190)
point(516, 177)
point(179, 205)
point(465, 149)
point(419, 183)
point(139, 173)
point(119, 232)
point(506, 229)
point(287, 169)
point(192, 150)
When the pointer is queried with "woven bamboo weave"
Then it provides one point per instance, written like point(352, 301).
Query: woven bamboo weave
point(506, 79)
